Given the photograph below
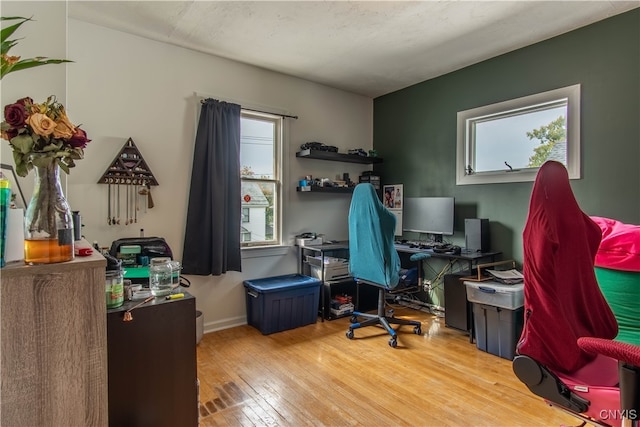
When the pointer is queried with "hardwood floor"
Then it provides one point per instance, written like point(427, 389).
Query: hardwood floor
point(314, 375)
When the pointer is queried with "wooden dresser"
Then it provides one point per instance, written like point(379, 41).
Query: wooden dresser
point(54, 344)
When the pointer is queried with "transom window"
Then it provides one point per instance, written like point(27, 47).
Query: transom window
point(260, 166)
point(509, 141)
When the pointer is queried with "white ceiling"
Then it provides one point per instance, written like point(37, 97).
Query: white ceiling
point(367, 47)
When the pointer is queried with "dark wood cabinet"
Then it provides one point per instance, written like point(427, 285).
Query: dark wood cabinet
point(152, 364)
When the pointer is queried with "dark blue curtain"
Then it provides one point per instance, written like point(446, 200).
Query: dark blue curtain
point(212, 235)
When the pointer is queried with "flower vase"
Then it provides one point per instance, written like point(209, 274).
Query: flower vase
point(48, 221)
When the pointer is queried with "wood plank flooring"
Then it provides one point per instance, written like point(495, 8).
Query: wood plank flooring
point(315, 376)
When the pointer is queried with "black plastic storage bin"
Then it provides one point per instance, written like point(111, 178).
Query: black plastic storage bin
point(280, 303)
point(497, 329)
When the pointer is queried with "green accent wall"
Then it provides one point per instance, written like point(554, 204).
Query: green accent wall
point(414, 129)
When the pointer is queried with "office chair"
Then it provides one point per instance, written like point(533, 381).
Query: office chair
point(373, 259)
point(565, 311)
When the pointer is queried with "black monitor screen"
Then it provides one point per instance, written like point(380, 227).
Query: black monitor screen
point(431, 215)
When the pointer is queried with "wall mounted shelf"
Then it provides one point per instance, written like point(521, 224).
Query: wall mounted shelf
point(337, 157)
point(128, 168)
point(316, 189)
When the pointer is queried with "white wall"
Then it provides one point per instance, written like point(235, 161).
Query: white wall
point(44, 36)
point(124, 86)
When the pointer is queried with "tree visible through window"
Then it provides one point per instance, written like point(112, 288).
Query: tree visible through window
point(550, 136)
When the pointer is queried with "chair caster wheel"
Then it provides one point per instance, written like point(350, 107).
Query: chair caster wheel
point(354, 319)
point(417, 330)
point(350, 334)
point(393, 342)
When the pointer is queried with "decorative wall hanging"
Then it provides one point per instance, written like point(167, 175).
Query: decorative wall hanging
point(130, 170)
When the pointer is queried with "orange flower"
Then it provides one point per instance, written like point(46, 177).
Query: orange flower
point(64, 128)
point(41, 124)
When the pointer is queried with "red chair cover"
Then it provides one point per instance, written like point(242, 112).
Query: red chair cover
point(562, 298)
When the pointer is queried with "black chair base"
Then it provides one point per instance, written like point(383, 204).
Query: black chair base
point(381, 319)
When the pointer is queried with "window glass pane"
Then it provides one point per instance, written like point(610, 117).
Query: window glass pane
point(257, 148)
point(521, 141)
point(508, 141)
point(260, 152)
point(258, 205)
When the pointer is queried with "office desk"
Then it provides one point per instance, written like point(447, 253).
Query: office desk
point(340, 249)
point(471, 258)
point(457, 310)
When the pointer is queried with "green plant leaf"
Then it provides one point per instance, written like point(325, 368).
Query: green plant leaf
point(20, 160)
point(8, 31)
point(23, 143)
point(63, 166)
point(42, 161)
point(33, 62)
point(6, 45)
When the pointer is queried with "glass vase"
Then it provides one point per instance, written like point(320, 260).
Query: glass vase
point(48, 228)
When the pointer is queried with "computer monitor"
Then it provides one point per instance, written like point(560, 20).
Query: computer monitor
point(429, 215)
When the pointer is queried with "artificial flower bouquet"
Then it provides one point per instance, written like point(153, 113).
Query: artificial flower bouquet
point(42, 129)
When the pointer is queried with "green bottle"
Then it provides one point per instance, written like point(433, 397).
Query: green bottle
point(5, 201)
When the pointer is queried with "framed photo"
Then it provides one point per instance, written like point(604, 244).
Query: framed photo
point(392, 196)
point(16, 192)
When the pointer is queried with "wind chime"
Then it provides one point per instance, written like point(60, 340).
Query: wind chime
point(129, 180)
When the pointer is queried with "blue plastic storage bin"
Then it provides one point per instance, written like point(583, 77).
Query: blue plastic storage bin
point(280, 303)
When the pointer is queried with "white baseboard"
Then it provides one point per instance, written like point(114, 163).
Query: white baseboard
point(219, 325)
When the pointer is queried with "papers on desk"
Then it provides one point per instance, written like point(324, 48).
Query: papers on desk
point(509, 277)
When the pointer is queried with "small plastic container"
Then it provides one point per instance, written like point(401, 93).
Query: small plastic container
point(160, 276)
point(114, 288)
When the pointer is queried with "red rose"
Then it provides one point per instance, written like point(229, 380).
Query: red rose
point(12, 133)
point(15, 115)
point(79, 139)
point(25, 101)
point(9, 134)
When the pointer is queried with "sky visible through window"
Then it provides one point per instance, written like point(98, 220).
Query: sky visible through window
point(256, 147)
point(505, 139)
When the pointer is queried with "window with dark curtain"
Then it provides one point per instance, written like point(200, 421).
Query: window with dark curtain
point(212, 235)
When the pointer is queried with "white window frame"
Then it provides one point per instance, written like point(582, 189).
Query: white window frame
point(466, 142)
point(277, 180)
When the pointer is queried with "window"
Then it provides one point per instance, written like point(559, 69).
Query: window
point(260, 158)
point(509, 141)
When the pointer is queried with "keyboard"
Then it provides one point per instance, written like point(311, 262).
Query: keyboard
point(420, 244)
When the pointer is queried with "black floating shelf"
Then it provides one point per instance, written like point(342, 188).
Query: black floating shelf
point(337, 157)
point(317, 189)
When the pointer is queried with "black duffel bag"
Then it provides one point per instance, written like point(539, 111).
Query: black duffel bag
point(151, 247)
